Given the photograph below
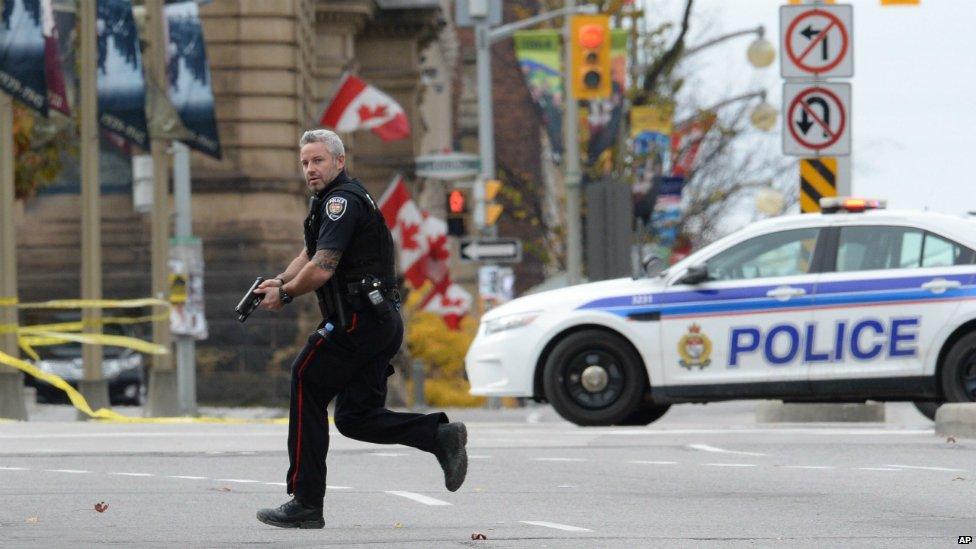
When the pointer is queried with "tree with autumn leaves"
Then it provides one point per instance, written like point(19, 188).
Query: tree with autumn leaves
point(38, 146)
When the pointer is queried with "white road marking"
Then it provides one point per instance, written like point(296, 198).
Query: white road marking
point(275, 483)
point(807, 466)
point(730, 464)
point(241, 480)
point(73, 471)
point(133, 474)
point(331, 487)
point(555, 525)
point(925, 468)
point(14, 469)
point(478, 457)
point(567, 486)
point(426, 500)
point(188, 477)
point(877, 469)
point(654, 462)
point(560, 459)
point(707, 448)
point(386, 454)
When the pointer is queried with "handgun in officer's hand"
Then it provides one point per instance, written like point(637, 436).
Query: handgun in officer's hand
point(250, 301)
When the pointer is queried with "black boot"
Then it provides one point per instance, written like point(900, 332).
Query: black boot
point(293, 514)
point(450, 452)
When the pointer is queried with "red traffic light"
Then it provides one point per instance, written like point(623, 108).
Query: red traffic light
point(455, 202)
point(591, 36)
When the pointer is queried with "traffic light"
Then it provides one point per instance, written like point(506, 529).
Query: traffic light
point(590, 43)
point(492, 210)
point(457, 207)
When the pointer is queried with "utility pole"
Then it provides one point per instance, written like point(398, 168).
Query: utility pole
point(163, 389)
point(185, 344)
point(11, 386)
point(93, 385)
point(574, 241)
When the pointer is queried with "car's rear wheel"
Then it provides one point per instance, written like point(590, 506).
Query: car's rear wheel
point(594, 377)
point(959, 371)
point(927, 409)
point(645, 414)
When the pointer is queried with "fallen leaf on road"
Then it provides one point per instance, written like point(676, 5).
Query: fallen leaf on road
point(478, 535)
point(958, 478)
point(101, 507)
point(31, 520)
point(398, 525)
point(951, 440)
point(220, 489)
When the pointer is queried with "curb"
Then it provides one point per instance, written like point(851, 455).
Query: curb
point(956, 420)
point(774, 411)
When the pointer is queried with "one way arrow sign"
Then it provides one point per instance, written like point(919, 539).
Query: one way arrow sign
point(503, 250)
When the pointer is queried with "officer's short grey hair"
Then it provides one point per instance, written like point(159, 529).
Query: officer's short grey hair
point(331, 140)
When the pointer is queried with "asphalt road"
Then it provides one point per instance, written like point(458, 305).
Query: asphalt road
point(701, 476)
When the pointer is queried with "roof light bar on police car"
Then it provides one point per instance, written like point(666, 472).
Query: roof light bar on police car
point(848, 204)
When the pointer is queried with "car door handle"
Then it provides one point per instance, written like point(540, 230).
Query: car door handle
point(784, 293)
point(940, 285)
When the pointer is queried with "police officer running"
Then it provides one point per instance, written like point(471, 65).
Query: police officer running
point(348, 262)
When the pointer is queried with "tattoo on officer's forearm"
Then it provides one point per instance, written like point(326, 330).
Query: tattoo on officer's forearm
point(327, 260)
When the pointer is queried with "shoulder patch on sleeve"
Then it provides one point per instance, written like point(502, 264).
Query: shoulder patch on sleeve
point(335, 207)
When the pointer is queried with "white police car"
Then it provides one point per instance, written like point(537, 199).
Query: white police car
point(860, 303)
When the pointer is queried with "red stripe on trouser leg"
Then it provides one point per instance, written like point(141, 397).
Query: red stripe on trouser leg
point(298, 443)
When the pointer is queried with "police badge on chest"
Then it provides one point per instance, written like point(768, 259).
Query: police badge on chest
point(335, 207)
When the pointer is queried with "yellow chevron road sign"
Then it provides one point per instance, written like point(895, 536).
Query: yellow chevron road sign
point(818, 179)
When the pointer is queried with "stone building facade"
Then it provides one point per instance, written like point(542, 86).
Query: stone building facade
point(273, 63)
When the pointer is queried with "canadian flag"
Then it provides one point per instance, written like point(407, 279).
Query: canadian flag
point(359, 106)
point(452, 303)
point(406, 221)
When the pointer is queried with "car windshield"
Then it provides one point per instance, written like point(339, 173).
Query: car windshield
point(68, 351)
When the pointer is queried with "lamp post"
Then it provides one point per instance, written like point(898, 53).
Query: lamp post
point(485, 36)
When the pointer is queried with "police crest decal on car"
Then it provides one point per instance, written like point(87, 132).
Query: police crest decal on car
point(335, 208)
point(694, 348)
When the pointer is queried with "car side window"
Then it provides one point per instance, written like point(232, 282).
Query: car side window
point(875, 247)
point(785, 253)
point(940, 252)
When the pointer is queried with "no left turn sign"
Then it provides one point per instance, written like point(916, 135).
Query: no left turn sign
point(816, 41)
point(817, 119)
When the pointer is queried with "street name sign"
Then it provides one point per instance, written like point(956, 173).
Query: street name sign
point(816, 41)
point(816, 119)
point(501, 250)
point(448, 166)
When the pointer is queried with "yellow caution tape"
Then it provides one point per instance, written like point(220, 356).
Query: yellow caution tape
point(109, 340)
point(105, 414)
point(7, 301)
point(93, 304)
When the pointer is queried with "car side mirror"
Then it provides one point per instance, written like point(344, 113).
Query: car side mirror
point(696, 274)
point(652, 264)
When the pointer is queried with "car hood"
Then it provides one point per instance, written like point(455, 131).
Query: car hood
point(573, 297)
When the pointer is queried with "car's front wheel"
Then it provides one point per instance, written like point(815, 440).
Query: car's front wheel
point(594, 377)
point(959, 371)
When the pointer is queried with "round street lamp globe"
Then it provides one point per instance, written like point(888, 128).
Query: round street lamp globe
point(764, 116)
point(770, 201)
point(761, 53)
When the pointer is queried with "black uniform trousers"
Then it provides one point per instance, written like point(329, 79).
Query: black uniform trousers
point(351, 367)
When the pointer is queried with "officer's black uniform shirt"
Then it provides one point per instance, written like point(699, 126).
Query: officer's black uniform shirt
point(342, 213)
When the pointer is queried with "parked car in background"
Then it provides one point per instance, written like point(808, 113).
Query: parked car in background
point(124, 369)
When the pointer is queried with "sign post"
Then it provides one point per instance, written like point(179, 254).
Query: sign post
point(817, 42)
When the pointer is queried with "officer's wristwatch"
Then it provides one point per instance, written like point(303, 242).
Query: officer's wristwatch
point(283, 295)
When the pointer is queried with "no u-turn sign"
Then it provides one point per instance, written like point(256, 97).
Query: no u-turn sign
point(816, 119)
